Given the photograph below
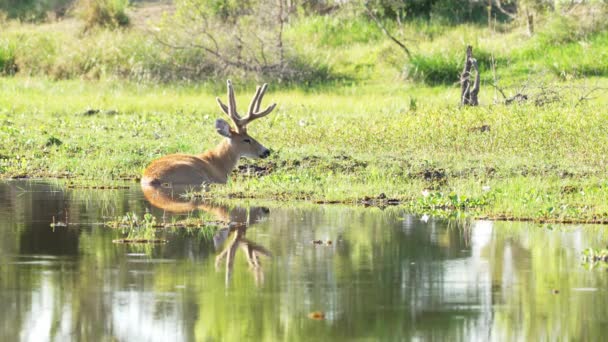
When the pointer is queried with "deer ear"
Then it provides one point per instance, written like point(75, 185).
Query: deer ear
point(223, 128)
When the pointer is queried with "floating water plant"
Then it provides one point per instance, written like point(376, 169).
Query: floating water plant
point(142, 229)
point(593, 255)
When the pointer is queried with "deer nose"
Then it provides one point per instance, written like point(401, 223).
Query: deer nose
point(265, 154)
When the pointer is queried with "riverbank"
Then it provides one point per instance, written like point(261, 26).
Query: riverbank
point(349, 143)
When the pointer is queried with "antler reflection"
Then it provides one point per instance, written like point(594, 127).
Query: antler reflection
point(252, 251)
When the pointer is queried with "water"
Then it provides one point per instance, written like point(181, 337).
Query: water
point(386, 275)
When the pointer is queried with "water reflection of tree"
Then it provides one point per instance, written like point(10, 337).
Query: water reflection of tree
point(71, 282)
point(385, 276)
point(364, 281)
point(42, 273)
point(540, 286)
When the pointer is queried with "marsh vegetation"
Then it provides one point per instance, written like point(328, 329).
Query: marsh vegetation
point(357, 121)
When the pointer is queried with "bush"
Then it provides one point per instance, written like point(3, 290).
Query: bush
point(247, 41)
point(572, 45)
point(33, 10)
point(445, 67)
point(579, 60)
point(440, 11)
point(433, 69)
point(103, 13)
point(459, 11)
point(7, 59)
point(568, 29)
point(336, 31)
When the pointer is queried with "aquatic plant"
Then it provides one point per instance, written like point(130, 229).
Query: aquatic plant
point(594, 255)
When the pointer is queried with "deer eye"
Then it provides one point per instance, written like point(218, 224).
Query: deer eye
point(248, 141)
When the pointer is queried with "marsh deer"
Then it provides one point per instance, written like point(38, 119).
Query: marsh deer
point(213, 166)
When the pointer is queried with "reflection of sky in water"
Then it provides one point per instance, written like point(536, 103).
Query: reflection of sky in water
point(146, 316)
point(386, 274)
point(40, 318)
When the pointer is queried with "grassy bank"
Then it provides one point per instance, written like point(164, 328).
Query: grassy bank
point(343, 144)
point(364, 125)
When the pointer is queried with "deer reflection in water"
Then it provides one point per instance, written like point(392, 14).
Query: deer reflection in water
point(252, 252)
point(171, 200)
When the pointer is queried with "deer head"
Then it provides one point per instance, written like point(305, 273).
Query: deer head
point(243, 142)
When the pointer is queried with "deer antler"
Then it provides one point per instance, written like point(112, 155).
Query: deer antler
point(254, 107)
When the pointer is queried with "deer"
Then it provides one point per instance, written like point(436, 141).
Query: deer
point(213, 166)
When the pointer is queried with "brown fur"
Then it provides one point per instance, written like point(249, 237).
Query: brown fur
point(210, 167)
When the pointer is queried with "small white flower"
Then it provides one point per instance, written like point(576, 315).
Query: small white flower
point(302, 123)
point(425, 193)
point(485, 188)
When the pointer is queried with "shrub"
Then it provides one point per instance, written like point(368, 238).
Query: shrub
point(336, 31)
point(248, 41)
point(458, 11)
point(33, 10)
point(7, 59)
point(444, 67)
point(433, 69)
point(103, 13)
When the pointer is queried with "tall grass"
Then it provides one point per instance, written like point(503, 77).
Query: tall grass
point(33, 10)
point(7, 58)
point(336, 31)
point(342, 144)
point(565, 46)
point(323, 49)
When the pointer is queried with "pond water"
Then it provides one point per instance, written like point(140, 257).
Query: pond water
point(385, 275)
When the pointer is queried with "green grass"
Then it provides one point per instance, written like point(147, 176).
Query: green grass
point(563, 46)
point(101, 106)
point(343, 47)
point(341, 144)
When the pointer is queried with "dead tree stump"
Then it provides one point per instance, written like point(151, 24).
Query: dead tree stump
point(530, 22)
point(468, 93)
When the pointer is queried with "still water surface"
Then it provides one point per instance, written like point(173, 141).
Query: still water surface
point(385, 276)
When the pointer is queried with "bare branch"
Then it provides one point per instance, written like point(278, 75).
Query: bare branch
point(262, 52)
point(280, 35)
point(499, 90)
point(385, 31)
point(587, 96)
point(257, 47)
point(502, 10)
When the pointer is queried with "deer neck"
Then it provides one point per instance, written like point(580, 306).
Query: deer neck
point(223, 158)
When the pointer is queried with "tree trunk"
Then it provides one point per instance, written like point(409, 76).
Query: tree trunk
point(468, 93)
point(530, 21)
